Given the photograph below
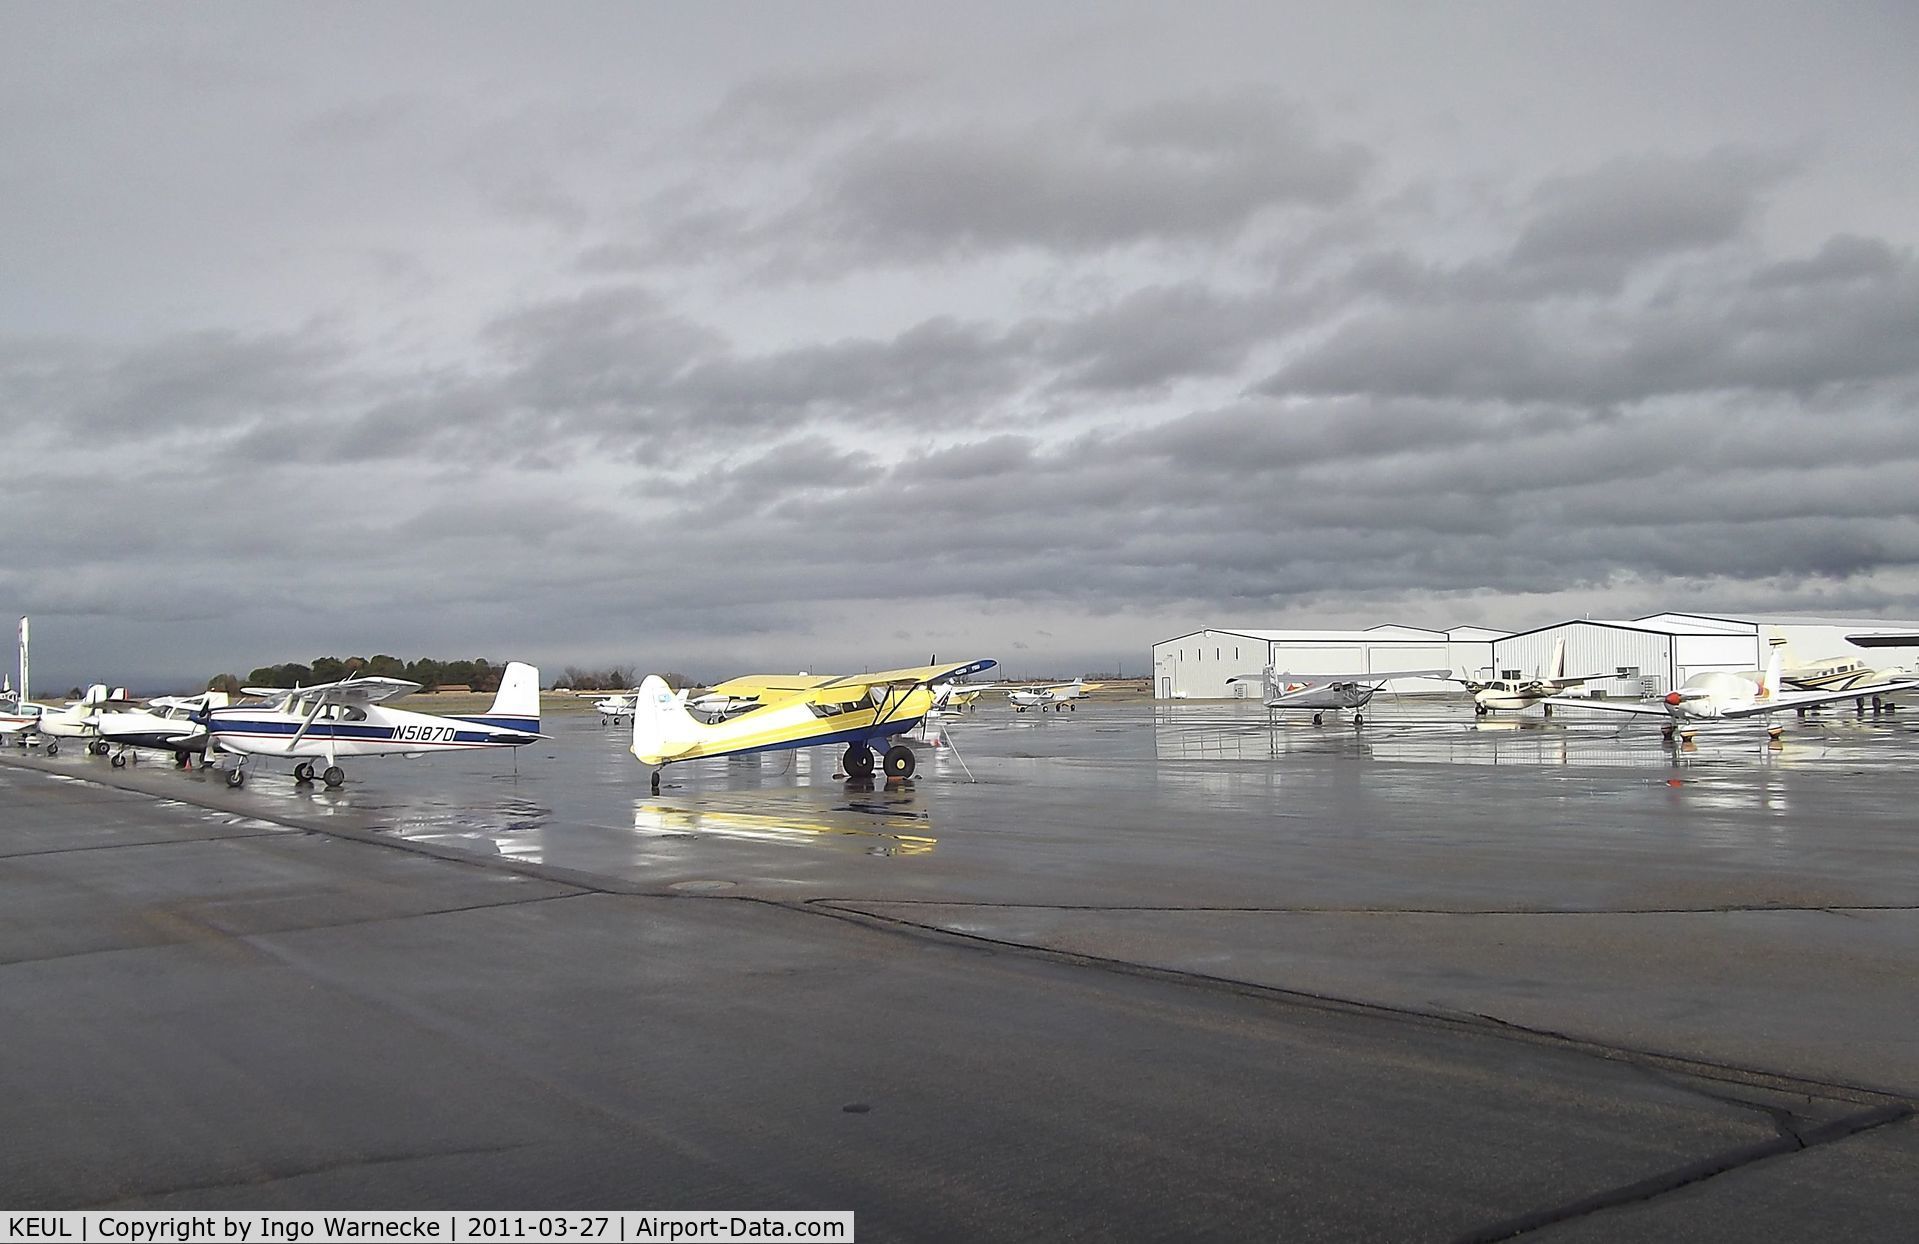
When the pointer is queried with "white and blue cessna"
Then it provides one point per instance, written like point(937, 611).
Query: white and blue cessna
point(340, 719)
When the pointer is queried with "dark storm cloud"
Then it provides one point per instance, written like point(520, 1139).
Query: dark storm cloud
point(1777, 329)
point(1197, 169)
point(1638, 207)
point(190, 382)
point(1161, 334)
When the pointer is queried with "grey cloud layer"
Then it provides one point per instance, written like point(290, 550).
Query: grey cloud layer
point(828, 351)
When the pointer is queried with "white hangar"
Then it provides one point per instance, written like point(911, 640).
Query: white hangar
point(1632, 657)
point(1196, 665)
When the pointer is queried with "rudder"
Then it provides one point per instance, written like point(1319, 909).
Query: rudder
point(662, 728)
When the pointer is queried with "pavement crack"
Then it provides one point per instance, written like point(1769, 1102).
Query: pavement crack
point(1677, 1177)
point(145, 842)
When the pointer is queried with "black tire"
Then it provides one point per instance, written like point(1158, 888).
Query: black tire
point(858, 761)
point(900, 761)
point(333, 776)
point(96, 747)
point(1359, 719)
point(236, 777)
point(1479, 710)
point(53, 747)
point(118, 762)
point(303, 772)
point(1319, 719)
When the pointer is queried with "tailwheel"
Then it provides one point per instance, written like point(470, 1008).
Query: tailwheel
point(333, 776)
point(236, 776)
point(900, 761)
point(303, 772)
point(1359, 719)
point(858, 761)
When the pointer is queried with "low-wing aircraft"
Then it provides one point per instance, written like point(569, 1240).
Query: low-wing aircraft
point(1517, 693)
point(1717, 695)
point(347, 718)
point(78, 719)
point(1324, 693)
point(863, 711)
point(169, 723)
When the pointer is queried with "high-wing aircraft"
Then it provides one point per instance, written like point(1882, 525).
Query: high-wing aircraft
point(863, 711)
point(1057, 696)
point(1512, 693)
point(614, 709)
point(170, 723)
point(348, 718)
point(1324, 693)
point(1716, 695)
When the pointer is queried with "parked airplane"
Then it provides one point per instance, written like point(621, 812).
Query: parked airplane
point(346, 718)
point(20, 714)
point(863, 711)
point(614, 709)
point(1058, 696)
point(1716, 695)
point(1512, 693)
point(1324, 693)
point(170, 723)
point(78, 719)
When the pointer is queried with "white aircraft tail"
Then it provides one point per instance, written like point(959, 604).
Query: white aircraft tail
point(519, 694)
point(662, 728)
point(1557, 669)
point(1770, 684)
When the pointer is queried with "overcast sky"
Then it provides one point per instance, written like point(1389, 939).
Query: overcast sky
point(715, 337)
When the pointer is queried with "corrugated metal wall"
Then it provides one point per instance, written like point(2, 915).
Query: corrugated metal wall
point(1593, 648)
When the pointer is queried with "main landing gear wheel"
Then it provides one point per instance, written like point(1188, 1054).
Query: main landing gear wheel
point(53, 747)
point(333, 776)
point(119, 760)
point(900, 761)
point(656, 781)
point(1359, 719)
point(1549, 709)
point(97, 747)
point(858, 761)
point(1319, 719)
point(1666, 732)
point(236, 777)
point(303, 772)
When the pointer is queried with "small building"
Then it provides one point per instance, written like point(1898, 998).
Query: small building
point(1198, 664)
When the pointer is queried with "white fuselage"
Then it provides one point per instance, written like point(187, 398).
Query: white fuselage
point(1511, 695)
point(353, 730)
point(172, 728)
point(1331, 695)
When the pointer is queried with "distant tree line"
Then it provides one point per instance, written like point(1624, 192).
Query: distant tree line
point(617, 678)
point(480, 674)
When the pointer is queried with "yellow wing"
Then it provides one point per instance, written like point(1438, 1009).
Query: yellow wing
point(913, 675)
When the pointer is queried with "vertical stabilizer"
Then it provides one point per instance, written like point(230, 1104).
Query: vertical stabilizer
point(26, 687)
point(1769, 685)
point(662, 728)
point(518, 696)
point(1557, 669)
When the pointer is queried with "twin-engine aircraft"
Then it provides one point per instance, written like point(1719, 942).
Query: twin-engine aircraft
point(776, 712)
point(1328, 693)
point(347, 718)
point(1715, 695)
point(168, 723)
point(1509, 693)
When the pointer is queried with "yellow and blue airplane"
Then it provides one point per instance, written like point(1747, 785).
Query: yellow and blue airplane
point(785, 711)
